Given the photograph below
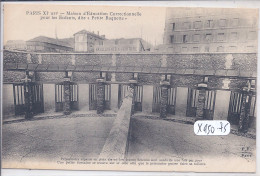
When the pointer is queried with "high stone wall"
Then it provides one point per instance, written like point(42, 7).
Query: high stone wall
point(244, 62)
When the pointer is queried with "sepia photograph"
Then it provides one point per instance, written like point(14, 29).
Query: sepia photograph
point(129, 88)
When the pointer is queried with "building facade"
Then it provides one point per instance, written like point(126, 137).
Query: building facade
point(205, 30)
point(19, 45)
point(47, 44)
point(85, 41)
point(130, 45)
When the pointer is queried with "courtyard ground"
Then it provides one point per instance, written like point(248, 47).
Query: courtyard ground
point(52, 139)
point(155, 138)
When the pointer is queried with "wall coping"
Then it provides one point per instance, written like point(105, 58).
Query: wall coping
point(141, 53)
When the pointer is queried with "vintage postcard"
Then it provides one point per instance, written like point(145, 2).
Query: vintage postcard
point(132, 88)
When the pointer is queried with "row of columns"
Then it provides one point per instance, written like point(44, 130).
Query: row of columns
point(202, 87)
point(200, 104)
point(165, 85)
point(100, 94)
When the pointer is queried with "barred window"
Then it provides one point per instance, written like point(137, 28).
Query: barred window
point(222, 22)
point(221, 36)
point(172, 39)
point(196, 38)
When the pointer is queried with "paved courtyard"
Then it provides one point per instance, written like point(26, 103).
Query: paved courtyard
point(155, 138)
point(51, 139)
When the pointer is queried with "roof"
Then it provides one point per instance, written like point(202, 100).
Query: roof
point(15, 42)
point(67, 42)
point(124, 39)
point(90, 33)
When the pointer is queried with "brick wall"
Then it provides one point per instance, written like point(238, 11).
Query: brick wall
point(49, 77)
point(149, 79)
point(245, 62)
point(14, 57)
point(217, 83)
point(13, 76)
point(185, 81)
point(85, 77)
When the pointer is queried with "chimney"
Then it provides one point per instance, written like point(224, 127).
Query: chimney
point(97, 32)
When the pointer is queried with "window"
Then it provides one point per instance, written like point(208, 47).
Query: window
point(172, 38)
point(250, 48)
point(207, 49)
point(250, 22)
point(195, 49)
point(186, 25)
point(184, 39)
point(221, 36)
point(220, 49)
point(234, 22)
point(232, 48)
point(208, 37)
point(184, 49)
point(80, 38)
point(77, 38)
point(173, 26)
point(222, 22)
point(197, 24)
point(209, 24)
point(251, 35)
point(196, 38)
point(233, 36)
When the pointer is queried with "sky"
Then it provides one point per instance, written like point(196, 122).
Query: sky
point(24, 22)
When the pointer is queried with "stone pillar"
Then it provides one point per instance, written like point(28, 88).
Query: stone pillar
point(244, 114)
point(201, 104)
point(202, 87)
point(100, 95)
point(113, 75)
point(132, 84)
point(28, 99)
point(164, 98)
point(66, 96)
